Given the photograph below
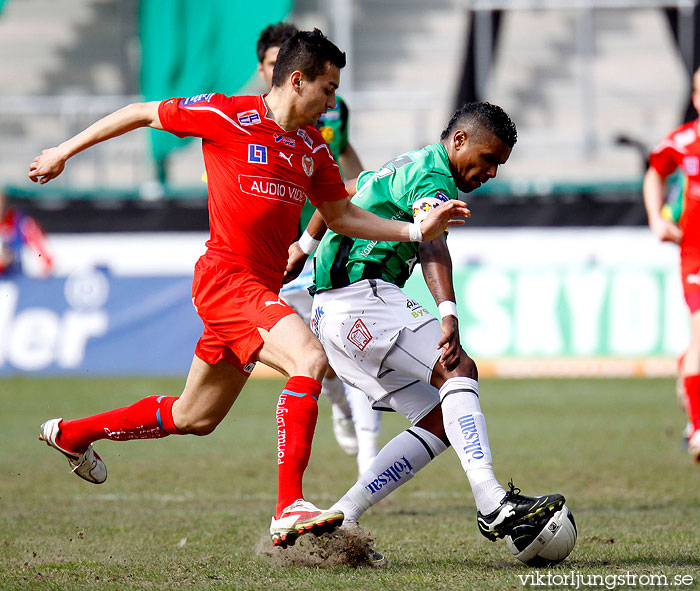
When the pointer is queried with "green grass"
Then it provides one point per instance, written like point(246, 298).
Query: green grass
point(611, 446)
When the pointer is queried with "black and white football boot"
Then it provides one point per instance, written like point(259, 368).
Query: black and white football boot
point(516, 509)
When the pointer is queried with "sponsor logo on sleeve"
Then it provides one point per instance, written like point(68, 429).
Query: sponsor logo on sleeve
point(308, 163)
point(257, 154)
point(305, 136)
point(440, 196)
point(359, 335)
point(197, 98)
point(247, 118)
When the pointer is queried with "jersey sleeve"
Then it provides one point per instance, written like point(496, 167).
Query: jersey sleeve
point(201, 115)
point(326, 182)
point(663, 158)
point(363, 177)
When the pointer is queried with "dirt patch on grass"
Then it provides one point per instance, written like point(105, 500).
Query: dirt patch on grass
point(343, 547)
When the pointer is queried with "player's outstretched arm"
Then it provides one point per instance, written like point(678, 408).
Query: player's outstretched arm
point(436, 265)
point(315, 230)
point(53, 160)
point(345, 218)
point(654, 191)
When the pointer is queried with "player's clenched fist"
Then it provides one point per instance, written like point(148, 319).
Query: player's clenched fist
point(437, 221)
point(47, 166)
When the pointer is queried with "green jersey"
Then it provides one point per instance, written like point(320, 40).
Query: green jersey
point(390, 193)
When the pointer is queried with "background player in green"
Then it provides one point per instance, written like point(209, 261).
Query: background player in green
point(355, 424)
point(392, 348)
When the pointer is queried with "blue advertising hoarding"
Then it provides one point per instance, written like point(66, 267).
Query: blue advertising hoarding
point(94, 323)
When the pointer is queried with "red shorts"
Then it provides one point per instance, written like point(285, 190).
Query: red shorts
point(690, 274)
point(233, 301)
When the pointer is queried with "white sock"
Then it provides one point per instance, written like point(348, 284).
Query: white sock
point(396, 463)
point(335, 392)
point(465, 426)
point(367, 424)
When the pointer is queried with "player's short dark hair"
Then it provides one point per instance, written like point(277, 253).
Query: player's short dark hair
point(308, 52)
point(274, 35)
point(483, 116)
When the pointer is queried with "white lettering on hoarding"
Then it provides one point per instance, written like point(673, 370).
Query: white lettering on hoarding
point(537, 331)
point(584, 292)
point(488, 294)
point(634, 313)
point(590, 311)
point(35, 338)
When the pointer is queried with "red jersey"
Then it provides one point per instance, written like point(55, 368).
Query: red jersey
point(259, 175)
point(681, 149)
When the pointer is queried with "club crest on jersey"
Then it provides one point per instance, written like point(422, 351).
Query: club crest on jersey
point(691, 165)
point(287, 141)
point(305, 136)
point(197, 98)
point(246, 118)
point(257, 154)
point(308, 163)
point(359, 335)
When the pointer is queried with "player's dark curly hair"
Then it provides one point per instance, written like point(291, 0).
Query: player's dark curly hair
point(483, 116)
point(274, 36)
point(309, 52)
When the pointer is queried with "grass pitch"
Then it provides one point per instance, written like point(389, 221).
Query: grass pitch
point(187, 513)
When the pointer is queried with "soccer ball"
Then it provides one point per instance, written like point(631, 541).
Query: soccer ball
point(544, 542)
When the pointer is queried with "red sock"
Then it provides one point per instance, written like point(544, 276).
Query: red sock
point(297, 411)
point(692, 397)
point(150, 418)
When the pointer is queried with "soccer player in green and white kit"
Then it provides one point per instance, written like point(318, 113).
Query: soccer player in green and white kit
point(393, 349)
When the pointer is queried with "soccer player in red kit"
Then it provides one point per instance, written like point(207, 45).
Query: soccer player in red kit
point(263, 157)
point(680, 149)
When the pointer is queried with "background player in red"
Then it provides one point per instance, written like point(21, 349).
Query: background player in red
point(18, 229)
point(680, 149)
point(263, 158)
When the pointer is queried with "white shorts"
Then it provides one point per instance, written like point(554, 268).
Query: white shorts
point(384, 343)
